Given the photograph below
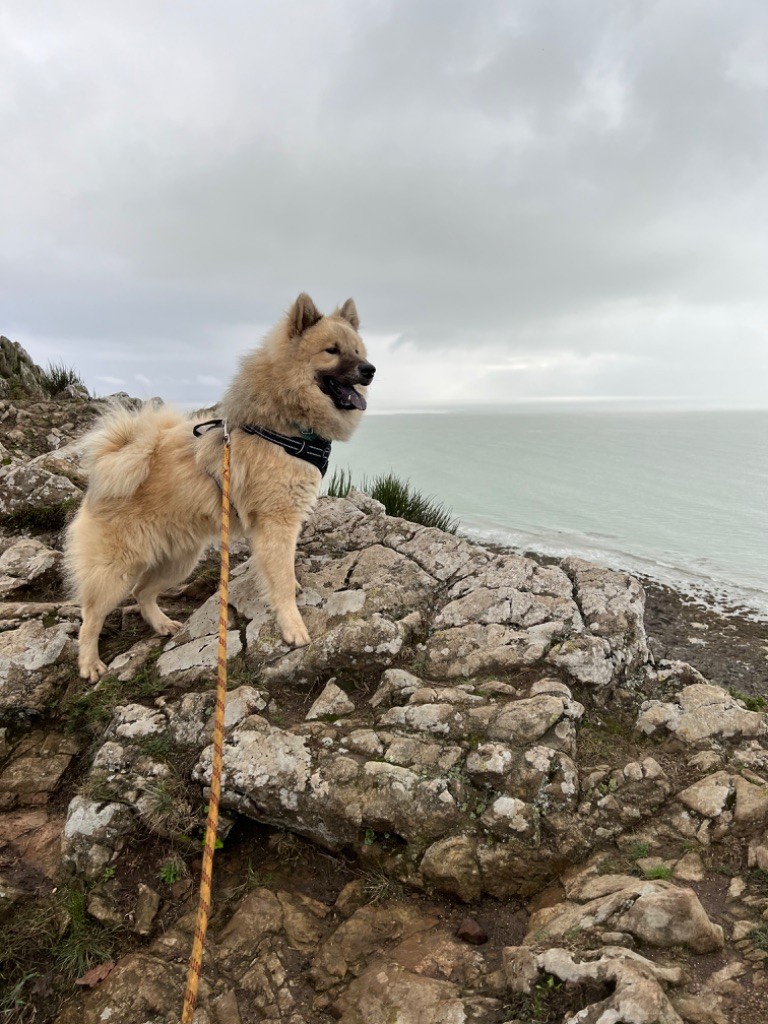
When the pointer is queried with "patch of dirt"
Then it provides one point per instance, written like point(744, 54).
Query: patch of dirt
point(729, 650)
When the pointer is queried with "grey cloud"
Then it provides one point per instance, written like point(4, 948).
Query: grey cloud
point(511, 177)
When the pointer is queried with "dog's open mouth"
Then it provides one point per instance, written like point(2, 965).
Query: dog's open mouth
point(343, 396)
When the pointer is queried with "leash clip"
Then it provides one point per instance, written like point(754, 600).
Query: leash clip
point(226, 433)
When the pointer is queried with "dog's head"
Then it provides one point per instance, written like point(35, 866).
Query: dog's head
point(335, 363)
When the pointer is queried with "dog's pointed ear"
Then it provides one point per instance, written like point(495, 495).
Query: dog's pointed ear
point(303, 314)
point(349, 313)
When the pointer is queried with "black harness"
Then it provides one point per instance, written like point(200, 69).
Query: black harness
point(310, 448)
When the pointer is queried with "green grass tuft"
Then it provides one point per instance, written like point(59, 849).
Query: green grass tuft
point(662, 872)
point(57, 376)
point(339, 484)
point(85, 942)
point(173, 870)
point(46, 944)
point(754, 702)
point(639, 850)
point(398, 497)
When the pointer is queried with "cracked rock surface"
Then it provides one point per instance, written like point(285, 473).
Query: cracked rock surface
point(375, 589)
point(470, 728)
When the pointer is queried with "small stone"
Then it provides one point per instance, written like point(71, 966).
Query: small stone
point(332, 702)
point(617, 939)
point(698, 1010)
point(648, 865)
point(225, 1009)
point(351, 898)
point(757, 855)
point(100, 907)
point(181, 888)
point(10, 896)
point(147, 907)
point(736, 888)
point(690, 868)
point(705, 761)
point(470, 931)
point(741, 930)
point(709, 796)
point(520, 968)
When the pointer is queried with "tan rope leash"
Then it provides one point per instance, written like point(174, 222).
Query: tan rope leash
point(206, 875)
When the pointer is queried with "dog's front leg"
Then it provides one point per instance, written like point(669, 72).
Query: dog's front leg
point(274, 549)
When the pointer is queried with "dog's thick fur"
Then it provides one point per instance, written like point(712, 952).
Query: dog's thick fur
point(153, 502)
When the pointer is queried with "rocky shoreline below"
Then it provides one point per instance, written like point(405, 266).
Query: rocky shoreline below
point(491, 790)
point(729, 649)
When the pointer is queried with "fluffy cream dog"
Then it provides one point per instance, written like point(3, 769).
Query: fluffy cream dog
point(154, 502)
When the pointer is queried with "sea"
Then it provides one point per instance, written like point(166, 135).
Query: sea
point(678, 497)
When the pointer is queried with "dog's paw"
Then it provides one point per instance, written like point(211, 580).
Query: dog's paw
point(92, 670)
point(167, 627)
point(295, 635)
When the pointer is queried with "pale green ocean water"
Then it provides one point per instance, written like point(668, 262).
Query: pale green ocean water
point(678, 496)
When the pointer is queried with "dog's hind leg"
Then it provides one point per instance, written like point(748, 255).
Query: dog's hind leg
point(100, 593)
point(153, 582)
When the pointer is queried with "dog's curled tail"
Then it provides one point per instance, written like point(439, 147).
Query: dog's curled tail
point(116, 455)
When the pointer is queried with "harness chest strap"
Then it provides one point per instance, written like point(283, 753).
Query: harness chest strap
point(313, 449)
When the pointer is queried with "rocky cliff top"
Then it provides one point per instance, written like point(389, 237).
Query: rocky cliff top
point(474, 797)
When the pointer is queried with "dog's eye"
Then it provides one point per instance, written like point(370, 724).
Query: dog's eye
point(333, 351)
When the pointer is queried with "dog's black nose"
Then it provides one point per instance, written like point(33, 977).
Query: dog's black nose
point(366, 371)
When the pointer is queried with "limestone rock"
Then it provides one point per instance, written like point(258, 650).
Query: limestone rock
point(17, 370)
point(66, 461)
point(758, 853)
point(196, 658)
point(35, 768)
point(451, 865)
point(13, 613)
point(658, 913)
point(690, 868)
point(701, 714)
point(639, 995)
point(369, 929)
point(332, 702)
point(31, 839)
point(10, 896)
point(381, 995)
point(141, 987)
point(125, 666)
point(147, 906)
point(26, 486)
point(342, 784)
point(396, 687)
point(709, 796)
point(93, 833)
point(371, 585)
point(27, 561)
point(731, 801)
point(612, 605)
point(34, 662)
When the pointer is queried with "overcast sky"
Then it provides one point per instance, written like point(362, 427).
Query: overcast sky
point(527, 200)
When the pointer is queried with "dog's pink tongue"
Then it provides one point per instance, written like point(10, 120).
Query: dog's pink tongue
point(357, 399)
